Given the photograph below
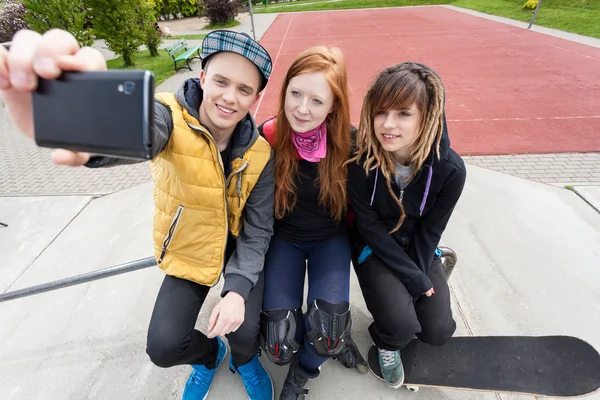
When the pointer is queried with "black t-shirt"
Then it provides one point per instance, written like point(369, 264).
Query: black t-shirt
point(309, 221)
point(226, 157)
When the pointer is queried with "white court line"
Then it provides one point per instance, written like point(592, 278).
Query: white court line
point(274, 64)
point(524, 119)
point(409, 35)
point(303, 4)
point(575, 52)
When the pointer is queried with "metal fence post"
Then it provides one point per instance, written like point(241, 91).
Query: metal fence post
point(252, 19)
point(537, 8)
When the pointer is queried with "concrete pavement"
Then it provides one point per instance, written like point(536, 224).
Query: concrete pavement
point(528, 256)
point(591, 194)
point(528, 264)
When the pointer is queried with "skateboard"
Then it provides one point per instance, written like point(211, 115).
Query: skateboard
point(543, 366)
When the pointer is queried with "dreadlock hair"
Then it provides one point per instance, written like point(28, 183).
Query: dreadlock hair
point(332, 175)
point(399, 88)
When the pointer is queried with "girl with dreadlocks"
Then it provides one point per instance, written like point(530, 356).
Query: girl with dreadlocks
point(403, 184)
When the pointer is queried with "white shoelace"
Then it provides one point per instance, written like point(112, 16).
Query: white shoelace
point(388, 357)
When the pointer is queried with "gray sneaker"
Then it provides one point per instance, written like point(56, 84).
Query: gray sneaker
point(391, 367)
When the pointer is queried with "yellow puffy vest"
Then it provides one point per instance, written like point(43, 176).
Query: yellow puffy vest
point(195, 204)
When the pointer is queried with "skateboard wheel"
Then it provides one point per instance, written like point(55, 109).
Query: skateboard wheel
point(413, 388)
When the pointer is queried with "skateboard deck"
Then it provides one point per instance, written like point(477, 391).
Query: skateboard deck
point(545, 366)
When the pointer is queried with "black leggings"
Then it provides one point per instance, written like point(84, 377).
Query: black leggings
point(172, 339)
point(397, 315)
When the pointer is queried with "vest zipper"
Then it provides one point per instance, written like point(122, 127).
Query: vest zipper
point(239, 181)
point(239, 190)
point(236, 172)
point(226, 213)
point(170, 233)
point(226, 183)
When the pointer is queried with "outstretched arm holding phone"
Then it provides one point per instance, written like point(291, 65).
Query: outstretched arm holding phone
point(206, 225)
point(47, 56)
point(33, 55)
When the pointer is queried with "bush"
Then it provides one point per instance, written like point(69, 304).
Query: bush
point(11, 20)
point(189, 8)
point(168, 9)
point(221, 11)
point(68, 15)
point(530, 5)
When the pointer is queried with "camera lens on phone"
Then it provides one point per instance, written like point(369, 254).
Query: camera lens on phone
point(129, 87)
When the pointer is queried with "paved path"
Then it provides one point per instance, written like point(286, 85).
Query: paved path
point(261, 24)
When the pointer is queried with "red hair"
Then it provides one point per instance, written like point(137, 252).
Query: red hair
point(332, 171)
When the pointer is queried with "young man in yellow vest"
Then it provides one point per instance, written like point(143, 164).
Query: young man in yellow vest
point(213, 194)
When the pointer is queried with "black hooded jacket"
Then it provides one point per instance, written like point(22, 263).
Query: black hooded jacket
point(428, 200)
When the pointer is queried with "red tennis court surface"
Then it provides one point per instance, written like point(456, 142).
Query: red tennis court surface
point(509, 90)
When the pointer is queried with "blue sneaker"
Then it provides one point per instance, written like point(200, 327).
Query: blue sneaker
point(200, 380)
point(256, 379)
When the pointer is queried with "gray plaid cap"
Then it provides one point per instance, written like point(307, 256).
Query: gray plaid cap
point(240, 43)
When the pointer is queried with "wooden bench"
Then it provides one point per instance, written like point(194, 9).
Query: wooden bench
point(187, 55)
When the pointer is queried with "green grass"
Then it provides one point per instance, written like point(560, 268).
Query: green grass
point(161, 66)
point(577, 16)
point(229, 24)
point(186, 37)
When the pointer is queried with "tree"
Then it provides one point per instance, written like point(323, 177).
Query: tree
point(147, 20)
point(118, 23)
point(68, 15)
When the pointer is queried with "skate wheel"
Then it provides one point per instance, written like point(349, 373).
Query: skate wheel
point(412, 388)
point(364, 369)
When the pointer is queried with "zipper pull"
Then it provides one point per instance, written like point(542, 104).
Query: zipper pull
point(239, 190)
point(161, 256)
point(401, 195)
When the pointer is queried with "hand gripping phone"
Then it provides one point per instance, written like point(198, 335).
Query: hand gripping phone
point(109, 113)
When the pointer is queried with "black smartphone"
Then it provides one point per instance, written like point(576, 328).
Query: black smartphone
point(109, 113)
